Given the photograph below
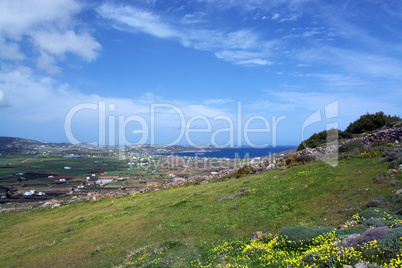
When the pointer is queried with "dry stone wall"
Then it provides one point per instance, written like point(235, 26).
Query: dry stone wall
point(390, 134)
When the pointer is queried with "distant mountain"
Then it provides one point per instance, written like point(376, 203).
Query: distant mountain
point(12, 145)
point(18, 145)
point(7, 141)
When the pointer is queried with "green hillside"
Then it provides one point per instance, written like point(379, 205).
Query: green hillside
point(183, 225)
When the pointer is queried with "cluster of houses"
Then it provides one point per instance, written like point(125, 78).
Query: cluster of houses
point(33, 192)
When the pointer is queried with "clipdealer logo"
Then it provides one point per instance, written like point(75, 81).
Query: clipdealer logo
point(331, 112)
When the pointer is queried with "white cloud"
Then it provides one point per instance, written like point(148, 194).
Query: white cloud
point(49, 27)
point(47, 63)
point(10, 50)
point(57, 43)
point(27, 100)
point(19, 17)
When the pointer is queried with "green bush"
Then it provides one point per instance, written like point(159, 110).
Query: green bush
point(370, 122)
point(378, 223)
point(298, 235)
point(393, 155)
point(348, 231)
point(391, 244)
point(372, 152)
point(305, 158)
point(311, 258)
point(320, 138)
point(377, 213)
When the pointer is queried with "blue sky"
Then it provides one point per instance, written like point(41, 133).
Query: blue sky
point(195, 72)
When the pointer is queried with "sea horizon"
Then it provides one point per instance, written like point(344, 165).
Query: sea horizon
point(236, 152)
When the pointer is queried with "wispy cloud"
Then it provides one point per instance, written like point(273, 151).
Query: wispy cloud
point(130, 18)
point(337, 80)
point(240, 46)
point(291, 17)
point(194, 18)
point(275, 16)
point(218, 101)
point(352, 61)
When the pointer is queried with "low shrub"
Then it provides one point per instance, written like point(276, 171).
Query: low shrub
point(378, 213)
point(379, 143)
point(372, 152)
point(242, 171)
point(311, 258)
point(305, 158)
point(320, 138)
point(301, 235)
point(394, 156)
point(378, 223)
point(391, 244)
point(348, 231)
point(346, 135)
point(353, 146)
point(294, 161)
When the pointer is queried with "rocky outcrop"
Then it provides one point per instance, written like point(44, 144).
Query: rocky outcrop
point(390, 134)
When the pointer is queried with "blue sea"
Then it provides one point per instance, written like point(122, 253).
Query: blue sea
point(241, 152)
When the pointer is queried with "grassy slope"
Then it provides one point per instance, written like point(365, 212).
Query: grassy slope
point(104, 231)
